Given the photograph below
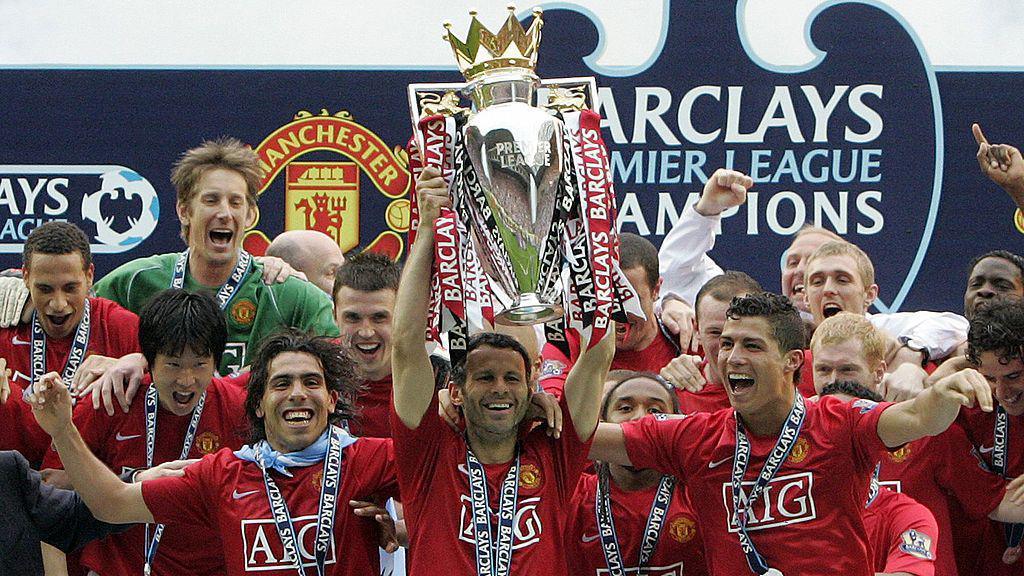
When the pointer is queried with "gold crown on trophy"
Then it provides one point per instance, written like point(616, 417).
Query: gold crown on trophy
point(483, 51)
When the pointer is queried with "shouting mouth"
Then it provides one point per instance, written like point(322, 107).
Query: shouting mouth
point(221, 237)
point(183, 398)
point(831, 309)
point(740, 382)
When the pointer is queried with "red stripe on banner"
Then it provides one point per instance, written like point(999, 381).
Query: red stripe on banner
point(598, 214)
point(449, 269)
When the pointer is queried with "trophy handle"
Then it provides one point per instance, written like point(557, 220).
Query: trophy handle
point(433, 98)
point(569, 94)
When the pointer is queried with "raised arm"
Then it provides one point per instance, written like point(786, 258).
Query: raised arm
point(585, 382)
point(682, 260)
point(109, 499)
point(932, 411)
point(609, 445)
point(410, 366)
point(1003, 165)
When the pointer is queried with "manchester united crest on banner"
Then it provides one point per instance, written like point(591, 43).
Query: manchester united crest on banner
point(325, 195)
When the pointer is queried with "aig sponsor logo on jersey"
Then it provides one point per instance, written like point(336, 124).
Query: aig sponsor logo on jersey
point(528, 525)
point(671, 570)
point(786, 500)
point(115, 206)
point(236, 352)
point(894, 485)
point(262, 545)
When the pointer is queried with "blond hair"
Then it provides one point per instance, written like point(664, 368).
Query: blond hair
point(865, 269)
point(846, 325)
point(227, 153)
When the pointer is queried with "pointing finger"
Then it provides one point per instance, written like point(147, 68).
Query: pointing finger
point(979, 136)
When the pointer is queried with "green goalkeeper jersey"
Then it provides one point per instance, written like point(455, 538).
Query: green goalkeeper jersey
point(254, 311)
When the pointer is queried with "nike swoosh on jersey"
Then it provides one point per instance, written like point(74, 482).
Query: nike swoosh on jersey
point(239, 495)
point(19, 342)
point(122, 437)
point(718, 463)
point(986, 449)
point(587, 538)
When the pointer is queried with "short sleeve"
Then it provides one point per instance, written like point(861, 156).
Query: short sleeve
point(184, 499)
point(663, 444)
point(571, 452)
point(125, 326)
point(417, 450)
point(861, 416)
point(313, 310)
point(374, 465)
point(915, 538)
point(554, 369)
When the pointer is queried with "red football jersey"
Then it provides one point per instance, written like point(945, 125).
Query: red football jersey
point(227, 497)
point(431, 464)
point(936, 468)
point(113, 331)
point(711, 398)
point(374, 402)
point(120, 442)
point(988, 541)
point(814, 503)
point(679, 551)
point(555, 366)
point(903, 534)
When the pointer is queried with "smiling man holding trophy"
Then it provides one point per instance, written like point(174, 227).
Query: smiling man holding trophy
point(513, 224)
point(531, 233)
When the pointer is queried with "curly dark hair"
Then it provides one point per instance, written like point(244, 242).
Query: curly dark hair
point(494, 340)
point(57, 238)
point(340, 374)
point(787, 327)
point(997, 326)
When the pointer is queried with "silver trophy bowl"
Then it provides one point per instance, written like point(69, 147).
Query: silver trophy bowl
point(516, 151)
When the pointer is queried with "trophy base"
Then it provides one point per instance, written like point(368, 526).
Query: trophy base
point(528, 310)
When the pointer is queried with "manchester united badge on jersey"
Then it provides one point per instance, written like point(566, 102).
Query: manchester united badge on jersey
point(900, 455)
point(682, 529)
point(529, 477)
point(207, 442)
point(243, 312)
point(799, 452)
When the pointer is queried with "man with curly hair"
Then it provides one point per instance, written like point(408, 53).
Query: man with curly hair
point(995, 348)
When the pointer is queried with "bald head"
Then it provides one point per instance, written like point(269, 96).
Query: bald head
point(311, 252)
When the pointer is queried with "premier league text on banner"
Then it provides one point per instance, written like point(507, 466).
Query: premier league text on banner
point(808, 148)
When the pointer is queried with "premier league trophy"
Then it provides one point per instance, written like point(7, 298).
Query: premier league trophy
point(522, 191)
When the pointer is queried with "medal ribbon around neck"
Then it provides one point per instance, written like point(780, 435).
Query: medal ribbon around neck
point(652, 530)
point(75, 356)
point(328, 505)
point(776, 458)
point(228, 290)
point(493, 553)
point(190, 436)
point(1013, 533)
